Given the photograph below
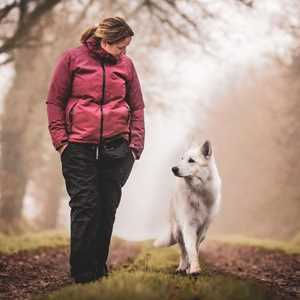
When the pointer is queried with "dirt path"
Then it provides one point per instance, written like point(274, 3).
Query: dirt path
point(275, 269)
point(42, 271)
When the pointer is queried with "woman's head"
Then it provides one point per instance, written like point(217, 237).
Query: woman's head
point(114, 33)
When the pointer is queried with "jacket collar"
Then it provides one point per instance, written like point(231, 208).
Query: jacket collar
point(95, 49)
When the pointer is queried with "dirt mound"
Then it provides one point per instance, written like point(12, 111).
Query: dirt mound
point(273, 268)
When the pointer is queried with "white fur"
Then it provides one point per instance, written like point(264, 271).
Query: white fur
point(194, 204)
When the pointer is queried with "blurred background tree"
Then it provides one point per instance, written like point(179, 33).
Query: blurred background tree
point(254, 124)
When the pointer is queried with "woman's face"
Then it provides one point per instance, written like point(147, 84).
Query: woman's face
point(118, 48)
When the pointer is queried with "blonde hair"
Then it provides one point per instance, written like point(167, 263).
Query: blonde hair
point(111, 30)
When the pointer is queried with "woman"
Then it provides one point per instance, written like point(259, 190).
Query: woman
point(96, 122)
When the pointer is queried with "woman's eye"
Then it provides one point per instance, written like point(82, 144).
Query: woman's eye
point(191, 160)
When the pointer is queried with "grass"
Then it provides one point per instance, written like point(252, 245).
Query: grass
point(152, 277)
point(289, 247)
point(10, 244)
point(13, 243)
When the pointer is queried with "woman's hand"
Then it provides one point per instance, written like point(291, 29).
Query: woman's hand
point(62, 148)
point(134, 155)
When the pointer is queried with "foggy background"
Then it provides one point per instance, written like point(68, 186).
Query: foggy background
point(227, 71)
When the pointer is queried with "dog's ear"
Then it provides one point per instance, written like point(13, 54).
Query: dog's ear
point(206, 150)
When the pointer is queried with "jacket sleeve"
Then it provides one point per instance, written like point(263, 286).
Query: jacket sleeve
point(58, 92)
point(136, 104)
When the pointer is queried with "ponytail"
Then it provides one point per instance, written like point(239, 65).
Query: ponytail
point(88, 33)
point(110, 29)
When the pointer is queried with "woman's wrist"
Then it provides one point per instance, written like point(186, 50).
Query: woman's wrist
point(62, 148)
point(133, 153)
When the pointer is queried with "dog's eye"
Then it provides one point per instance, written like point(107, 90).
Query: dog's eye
point(191, 160)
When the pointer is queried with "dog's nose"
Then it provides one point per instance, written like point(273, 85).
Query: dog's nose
point(175, 170)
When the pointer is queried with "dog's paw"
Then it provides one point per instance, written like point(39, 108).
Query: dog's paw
point(181, 271)
point(183, 266)
point(194, 272)
point(194, 275)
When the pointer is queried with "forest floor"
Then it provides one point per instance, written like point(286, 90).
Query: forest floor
point(248, 272)
point(46, 269)
point(274, 268)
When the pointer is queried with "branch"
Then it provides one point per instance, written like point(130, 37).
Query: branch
point(183, 15)
point(4, 11)
point(248, 3)
point(9, 59)
point(136, 10)
point(163, 15)
point(26, 22)
point(84, 11)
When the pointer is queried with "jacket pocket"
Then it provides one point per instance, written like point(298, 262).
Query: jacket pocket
point(69, 116)
point(128, 113)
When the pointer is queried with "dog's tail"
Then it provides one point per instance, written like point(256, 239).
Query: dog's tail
point(166, 240)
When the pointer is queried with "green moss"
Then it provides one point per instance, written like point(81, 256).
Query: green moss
point(151, 276)
point(296, 239)
point(289, 247)
point(13, 243)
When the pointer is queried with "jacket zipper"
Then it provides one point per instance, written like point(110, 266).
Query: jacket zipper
point(99, 146)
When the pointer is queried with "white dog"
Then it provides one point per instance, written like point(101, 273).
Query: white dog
point(193, 206)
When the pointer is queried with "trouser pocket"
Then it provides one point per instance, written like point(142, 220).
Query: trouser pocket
point(126, 167)
point(116, 148)
point(65, 151)
point(117, 169)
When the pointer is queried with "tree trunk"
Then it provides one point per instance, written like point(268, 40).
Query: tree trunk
point(13, 172)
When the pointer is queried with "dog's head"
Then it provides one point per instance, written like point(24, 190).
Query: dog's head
point(195, 163)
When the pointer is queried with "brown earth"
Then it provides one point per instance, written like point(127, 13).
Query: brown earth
point(42, 271)
point(273, 268)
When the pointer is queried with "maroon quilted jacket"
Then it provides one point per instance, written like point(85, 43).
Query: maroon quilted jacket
point(93, 95)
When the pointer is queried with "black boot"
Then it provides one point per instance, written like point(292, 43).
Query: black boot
point(105, 271)
point(102, 272)
point(86, 277)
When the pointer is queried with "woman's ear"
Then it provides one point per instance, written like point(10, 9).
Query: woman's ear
point(103, 43)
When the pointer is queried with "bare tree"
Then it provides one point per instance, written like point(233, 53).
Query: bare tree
point(20, 138)
point(18, 19)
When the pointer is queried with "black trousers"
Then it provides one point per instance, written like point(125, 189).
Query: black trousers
point(95, 188)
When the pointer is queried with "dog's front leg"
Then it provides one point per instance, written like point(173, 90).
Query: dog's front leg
point(184, 262)
point(190, 241)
